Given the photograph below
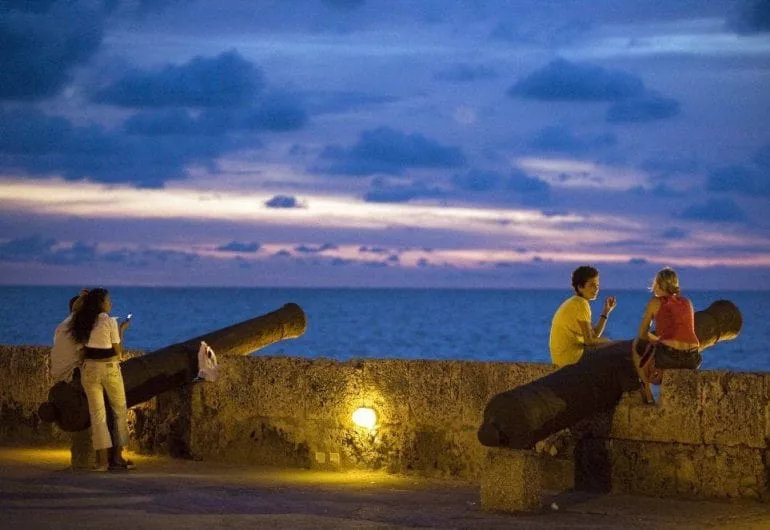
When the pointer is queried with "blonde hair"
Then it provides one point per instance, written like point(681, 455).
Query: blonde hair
point(667, 280)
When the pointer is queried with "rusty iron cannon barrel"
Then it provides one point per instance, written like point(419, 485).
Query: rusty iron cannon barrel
point(146, 376)
point(521, 417)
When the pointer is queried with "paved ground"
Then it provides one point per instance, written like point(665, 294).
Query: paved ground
point(38, 491)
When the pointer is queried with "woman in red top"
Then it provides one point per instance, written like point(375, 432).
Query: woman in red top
point(674, 324)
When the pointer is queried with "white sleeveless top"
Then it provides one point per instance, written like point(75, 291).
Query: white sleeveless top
point(104, 333)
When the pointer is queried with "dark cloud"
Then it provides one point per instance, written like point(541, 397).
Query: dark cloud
point(38, 144)
point(550, 33)
point(163, 123)
point(381, 192)
point(146, 7)
point(386, 150)
point(306, 249)
point(643, 109)
point(37, 249)
point(739, 179)
point(283, 201)
point(666, 167)
point(664, 190)
point(753, 17)
point(42, 44)
point(227, 80)
point(637, 261)
point(477, 180)
point(344, 4)
point(26, 248)
point(373, 250)
point(561, 139)
point(76, 254)
point(714, 210)
point(276, 113)
point(520, 182)
point(40, 250)
point(146, 258)
point(29, 6)
point(341, 101)
point(465, 73)
point(236, 246)
point(762, 158)
point(675, 233)
point(561, 80)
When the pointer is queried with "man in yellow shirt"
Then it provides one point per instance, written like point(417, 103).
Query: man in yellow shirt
point(571, 330)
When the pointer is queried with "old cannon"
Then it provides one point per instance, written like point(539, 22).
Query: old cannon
point(521, 417)
point(146, 376)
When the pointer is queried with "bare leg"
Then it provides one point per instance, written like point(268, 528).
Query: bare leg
point(102, 463)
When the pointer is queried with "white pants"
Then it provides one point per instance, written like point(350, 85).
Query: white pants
point(97, 378)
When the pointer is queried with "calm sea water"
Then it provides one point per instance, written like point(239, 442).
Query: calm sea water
point(504, 325)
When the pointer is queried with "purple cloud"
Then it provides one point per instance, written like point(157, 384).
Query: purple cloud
point(227, 80)
point(714, 211)
point(643, 109)
point(386, 150)
point(562, 80)
point(282, 201)
point(236, 246)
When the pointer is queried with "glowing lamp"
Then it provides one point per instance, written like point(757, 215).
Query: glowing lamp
point(365, 417)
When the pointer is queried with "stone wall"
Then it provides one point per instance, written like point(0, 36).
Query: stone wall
point(708, 436)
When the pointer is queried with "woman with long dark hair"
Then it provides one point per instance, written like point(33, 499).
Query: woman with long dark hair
point(100, 334)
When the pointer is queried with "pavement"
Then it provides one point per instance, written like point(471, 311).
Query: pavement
point(38, 490)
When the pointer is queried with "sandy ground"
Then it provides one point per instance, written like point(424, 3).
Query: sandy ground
point(37, 490)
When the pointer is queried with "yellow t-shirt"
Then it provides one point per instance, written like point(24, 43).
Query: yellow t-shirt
point(566, 341)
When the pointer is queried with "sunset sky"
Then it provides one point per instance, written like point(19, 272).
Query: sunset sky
point(414, 143)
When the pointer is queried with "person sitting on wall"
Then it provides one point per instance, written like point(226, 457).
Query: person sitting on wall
point(64, 365)
point(674, 343)
point(571, 329)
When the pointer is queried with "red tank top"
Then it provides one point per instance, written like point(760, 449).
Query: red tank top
point(675, 320)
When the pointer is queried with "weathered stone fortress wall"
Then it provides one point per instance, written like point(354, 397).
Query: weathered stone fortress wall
point(708, 437)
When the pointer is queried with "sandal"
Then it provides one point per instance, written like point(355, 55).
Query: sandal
point(126, 465)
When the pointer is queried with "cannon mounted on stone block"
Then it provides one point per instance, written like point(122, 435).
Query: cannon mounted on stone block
point(521, 417)
point(146, 376)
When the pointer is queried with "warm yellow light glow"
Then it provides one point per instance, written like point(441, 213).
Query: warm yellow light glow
point(365, 417)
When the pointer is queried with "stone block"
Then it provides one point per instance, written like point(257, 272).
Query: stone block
point(262, 386)
point(474, 391)
point(433, 391)
point(512, 481)
point(676, 417)
point(506, 376)
point(82, 454)
point(670, 469)
point(766, 378)
point(733, 472)
point(734, 409)
point(333, 390)
point(385, 388)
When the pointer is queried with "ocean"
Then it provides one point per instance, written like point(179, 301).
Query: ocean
point(480, 325)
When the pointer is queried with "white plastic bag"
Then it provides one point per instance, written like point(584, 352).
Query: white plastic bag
point(208, 368)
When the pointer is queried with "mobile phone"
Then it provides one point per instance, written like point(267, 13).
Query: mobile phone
point(129, 316)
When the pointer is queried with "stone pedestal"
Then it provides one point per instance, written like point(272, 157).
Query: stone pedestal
point(512, 481)
point(82, 450)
